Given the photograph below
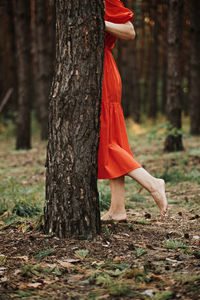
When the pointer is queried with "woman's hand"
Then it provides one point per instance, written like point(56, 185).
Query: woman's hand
point(122, 31)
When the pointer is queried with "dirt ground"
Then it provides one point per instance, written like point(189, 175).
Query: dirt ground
point(67, 274)
point(142, 258)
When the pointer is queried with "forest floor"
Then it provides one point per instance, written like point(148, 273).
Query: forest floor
point(143, 258)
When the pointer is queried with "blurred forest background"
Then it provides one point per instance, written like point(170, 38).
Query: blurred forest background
point(160, 69)
point(160, 73)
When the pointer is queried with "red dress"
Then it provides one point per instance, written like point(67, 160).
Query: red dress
point(114, 156)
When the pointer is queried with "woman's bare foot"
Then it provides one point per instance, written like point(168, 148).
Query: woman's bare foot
point(110, 216)
point(158, 193)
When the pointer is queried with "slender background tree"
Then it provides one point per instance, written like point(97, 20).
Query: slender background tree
point(23, 59)
point(173, 141)
point(195, 67)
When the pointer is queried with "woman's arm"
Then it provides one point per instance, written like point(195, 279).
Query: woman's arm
point(122, 31)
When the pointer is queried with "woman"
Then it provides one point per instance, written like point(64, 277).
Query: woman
point(115, 160)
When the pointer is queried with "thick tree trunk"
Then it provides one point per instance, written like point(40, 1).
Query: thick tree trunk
point(173, 141)
point(72, 207)
point(22, 35)
point(152, 111)
point(195, 67)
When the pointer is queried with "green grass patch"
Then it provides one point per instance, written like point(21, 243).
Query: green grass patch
point(44, 253)
point(176, 175)
point(82, 253)
point(94, 295)
point(140, 251)
point(21, 200)
point(24, 209)
point(164, 295)
point(142, 222)
point(184, 279)
point(28, 294)
point(103, 279)
point(36, 270)
point(119, 289)
point(3, 260)
point(174, 244)
point(104, 196)
point(112, 265)
point(136, 198)
point(172, 201)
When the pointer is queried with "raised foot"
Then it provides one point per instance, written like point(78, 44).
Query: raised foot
point(160, 198)
point(109, 216)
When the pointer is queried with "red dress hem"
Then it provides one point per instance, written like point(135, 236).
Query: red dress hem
point(123, 174)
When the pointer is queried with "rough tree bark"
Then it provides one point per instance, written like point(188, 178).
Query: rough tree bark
point(173, 141)
point(195, 67)
point(22, 35)
point(72, 207)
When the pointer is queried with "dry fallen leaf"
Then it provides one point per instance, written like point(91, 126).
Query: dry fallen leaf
point(66, 264)
point(22, 286)
point(72, 260)
point(21, 257)
point(46, 281)
point(34, 284)
point(75, 278)
point(117, 258)
point(157, 277)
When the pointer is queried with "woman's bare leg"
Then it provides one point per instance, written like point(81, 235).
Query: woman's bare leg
point(117, 210)
point(155, 186)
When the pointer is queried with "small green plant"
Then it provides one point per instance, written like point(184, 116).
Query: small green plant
point(106, 230)
point(140, 251)
point(25, 294)
point(103, 280)
point(44, 253)
point(113, 265)
point(82, 253)
point(31, 270)
point(139, 275)
point(3, 206)
point(188, 278)
point(94, 295)
point(136, 198)
point(164, 296)
point(174, 244)
point(142, 222)
point(104, 197)
point(3, 260)
point(36, 270)
point(187, 251)
point(24, 209)
point(196, 254)
point(176, 175)
point(119, 289)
